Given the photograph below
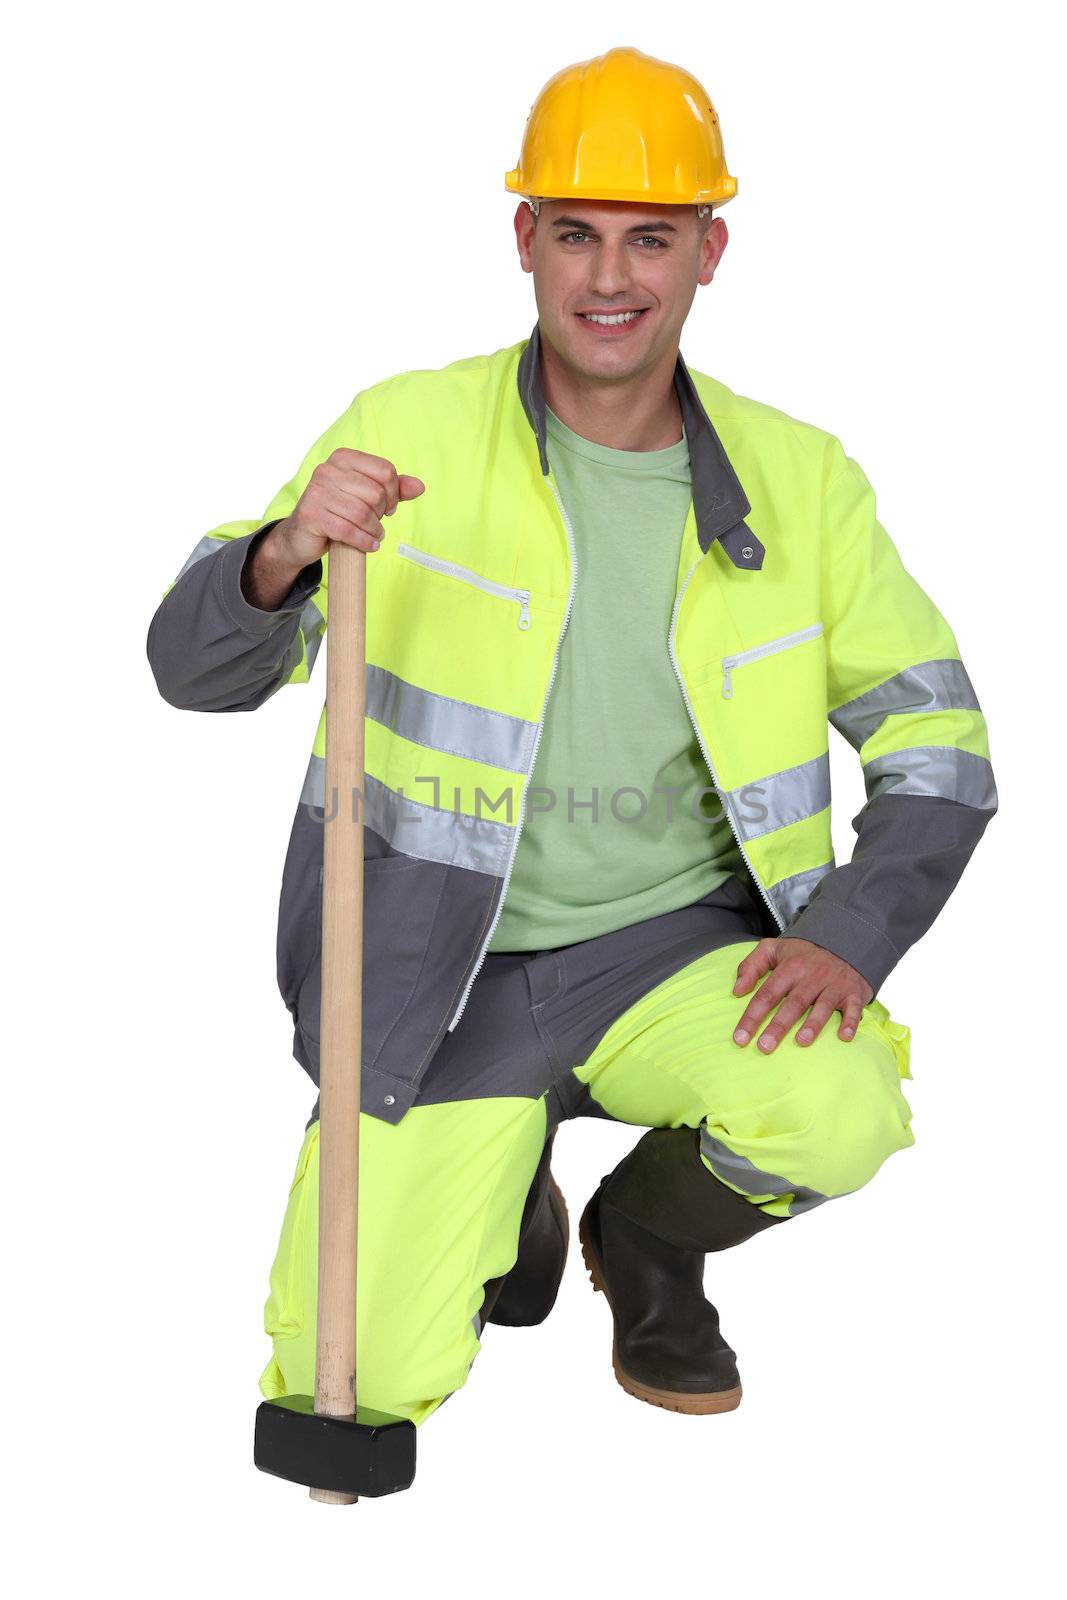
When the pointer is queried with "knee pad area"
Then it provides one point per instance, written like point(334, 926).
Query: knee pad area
point(828, 1116)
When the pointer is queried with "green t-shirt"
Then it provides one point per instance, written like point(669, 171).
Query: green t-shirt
point(616, 719)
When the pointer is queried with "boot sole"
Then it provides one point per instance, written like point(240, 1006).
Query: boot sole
point(694, 1405)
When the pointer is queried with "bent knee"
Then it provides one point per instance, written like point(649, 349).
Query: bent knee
point(855, 1112)
point(829, 1118)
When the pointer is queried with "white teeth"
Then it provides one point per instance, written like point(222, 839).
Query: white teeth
point(622, 316)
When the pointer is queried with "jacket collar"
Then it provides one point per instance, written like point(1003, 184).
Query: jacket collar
point(719, 501)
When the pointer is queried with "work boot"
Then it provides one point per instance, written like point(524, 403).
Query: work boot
point(526, 1295)
point(644, 1235)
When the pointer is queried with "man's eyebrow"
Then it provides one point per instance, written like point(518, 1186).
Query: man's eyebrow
point(638, 227)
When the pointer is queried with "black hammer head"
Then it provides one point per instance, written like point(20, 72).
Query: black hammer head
point(371, 1455)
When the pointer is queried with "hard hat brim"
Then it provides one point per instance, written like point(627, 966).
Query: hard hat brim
point(704, 197)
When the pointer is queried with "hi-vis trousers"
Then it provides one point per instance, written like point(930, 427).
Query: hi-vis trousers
point(635, 1025)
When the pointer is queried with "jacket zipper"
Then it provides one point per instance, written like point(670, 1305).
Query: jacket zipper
point(759, 650)
point(452, 570)
point(533, 762)
point(703, 747)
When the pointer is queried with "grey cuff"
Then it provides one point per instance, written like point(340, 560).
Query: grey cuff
point(230, 564)
point(846, 934)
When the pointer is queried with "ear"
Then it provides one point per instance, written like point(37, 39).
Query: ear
point(525, 224)
point(714, 243)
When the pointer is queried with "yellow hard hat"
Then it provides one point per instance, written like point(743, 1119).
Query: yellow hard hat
point(623, 126)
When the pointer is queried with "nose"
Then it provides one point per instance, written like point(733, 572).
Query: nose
point(611, 270)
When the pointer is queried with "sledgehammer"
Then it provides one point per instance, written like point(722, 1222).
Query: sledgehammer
point(341, 1450)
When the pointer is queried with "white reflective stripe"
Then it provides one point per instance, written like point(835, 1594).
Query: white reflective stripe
point(452, 569)
point(742, 1174)
point(758, 651)
point(939, 770)
point(207, 547)
point(791, 895)
point(312, 626)
point(420, 830)
point(929, 686)
point(454, 726)
point(774, 802)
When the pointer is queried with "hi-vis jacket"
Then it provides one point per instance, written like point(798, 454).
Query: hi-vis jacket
point(793, 611)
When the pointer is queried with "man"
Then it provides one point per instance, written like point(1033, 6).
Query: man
point(618, 608)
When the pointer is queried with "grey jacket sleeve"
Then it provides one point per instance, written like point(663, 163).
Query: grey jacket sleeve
point(211, 650)
point(909, 856)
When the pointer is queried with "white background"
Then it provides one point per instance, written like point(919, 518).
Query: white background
point(225, 221)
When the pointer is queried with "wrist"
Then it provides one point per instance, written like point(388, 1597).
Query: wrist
point(275, 553)
point(270, 572)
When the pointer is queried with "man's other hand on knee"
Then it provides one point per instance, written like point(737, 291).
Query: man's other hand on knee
point(805, 981)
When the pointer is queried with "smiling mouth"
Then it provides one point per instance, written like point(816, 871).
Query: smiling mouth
point(612, 319)
point(610, 324)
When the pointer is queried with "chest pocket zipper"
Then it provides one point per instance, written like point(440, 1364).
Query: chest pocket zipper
point(760, 650)
point(465, 575)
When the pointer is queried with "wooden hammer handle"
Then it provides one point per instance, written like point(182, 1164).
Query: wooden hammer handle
point(342, 990)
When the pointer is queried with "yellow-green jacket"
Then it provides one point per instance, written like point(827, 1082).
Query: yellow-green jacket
point(793, 611)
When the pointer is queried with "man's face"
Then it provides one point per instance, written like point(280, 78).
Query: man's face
point(609, 256)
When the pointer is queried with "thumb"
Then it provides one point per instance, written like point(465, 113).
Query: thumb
point(409, 488)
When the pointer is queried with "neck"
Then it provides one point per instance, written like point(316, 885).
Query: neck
point(638, 413)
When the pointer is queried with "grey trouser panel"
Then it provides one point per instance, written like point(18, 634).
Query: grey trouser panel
point(534, 1015)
